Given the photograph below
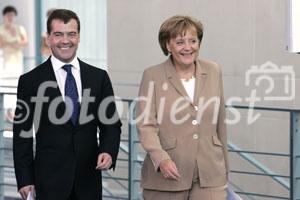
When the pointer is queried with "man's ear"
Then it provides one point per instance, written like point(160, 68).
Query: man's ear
point(47, 40)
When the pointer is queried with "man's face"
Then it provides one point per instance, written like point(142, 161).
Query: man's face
point(63, 39)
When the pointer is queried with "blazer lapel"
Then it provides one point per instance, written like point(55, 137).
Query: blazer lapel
point(84, 85)
point(83, 76)
point(174, 78)
point(200, 81)
point(48, 75)
point(201, 76)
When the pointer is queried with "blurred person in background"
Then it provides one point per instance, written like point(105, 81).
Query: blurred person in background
point(45, 49)
point(13, 39)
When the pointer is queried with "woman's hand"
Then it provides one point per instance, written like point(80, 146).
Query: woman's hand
point(169, 170)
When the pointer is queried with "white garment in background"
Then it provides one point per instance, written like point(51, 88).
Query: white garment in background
point(12, 58)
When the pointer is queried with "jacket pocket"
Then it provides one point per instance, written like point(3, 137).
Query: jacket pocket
point(216, 141)
point(168, 144)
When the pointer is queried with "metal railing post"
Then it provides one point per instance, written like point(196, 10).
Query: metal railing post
point(38, 30)
point(133, 170)
point(1, 147)
point(295, 155)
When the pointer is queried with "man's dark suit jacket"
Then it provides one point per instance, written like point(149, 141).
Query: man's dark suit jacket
point(65, 154)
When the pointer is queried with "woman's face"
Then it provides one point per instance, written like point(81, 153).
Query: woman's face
point(9, 18)
point(184, 48)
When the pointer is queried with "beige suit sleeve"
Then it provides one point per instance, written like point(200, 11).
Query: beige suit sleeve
point(221, 126)
point(147, 121)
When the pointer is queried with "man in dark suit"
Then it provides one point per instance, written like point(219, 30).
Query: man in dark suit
point(65, 101)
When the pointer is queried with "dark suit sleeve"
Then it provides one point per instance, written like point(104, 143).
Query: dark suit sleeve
point(108, 121)
point(22, 137)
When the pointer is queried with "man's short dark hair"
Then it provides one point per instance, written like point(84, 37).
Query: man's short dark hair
point(9, 9)
point(63, 15)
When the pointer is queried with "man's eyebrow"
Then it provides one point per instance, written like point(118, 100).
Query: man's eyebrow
point(57, 32)
point(65, 32)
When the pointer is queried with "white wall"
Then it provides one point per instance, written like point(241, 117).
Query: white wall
point(237, 35)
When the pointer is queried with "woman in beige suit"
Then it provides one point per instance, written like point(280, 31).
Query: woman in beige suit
point(180, 119)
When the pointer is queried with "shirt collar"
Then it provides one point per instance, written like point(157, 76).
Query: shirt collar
point(57, 64)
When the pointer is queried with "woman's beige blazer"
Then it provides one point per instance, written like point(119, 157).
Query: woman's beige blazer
point(190, 132)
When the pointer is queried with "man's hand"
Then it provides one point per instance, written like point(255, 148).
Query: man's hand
point(24, 191)
point(104, 161)
point(169, 170)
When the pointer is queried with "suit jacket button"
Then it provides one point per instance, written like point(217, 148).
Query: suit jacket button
point(194, 122)
point(195, 136)
point(196, 108)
